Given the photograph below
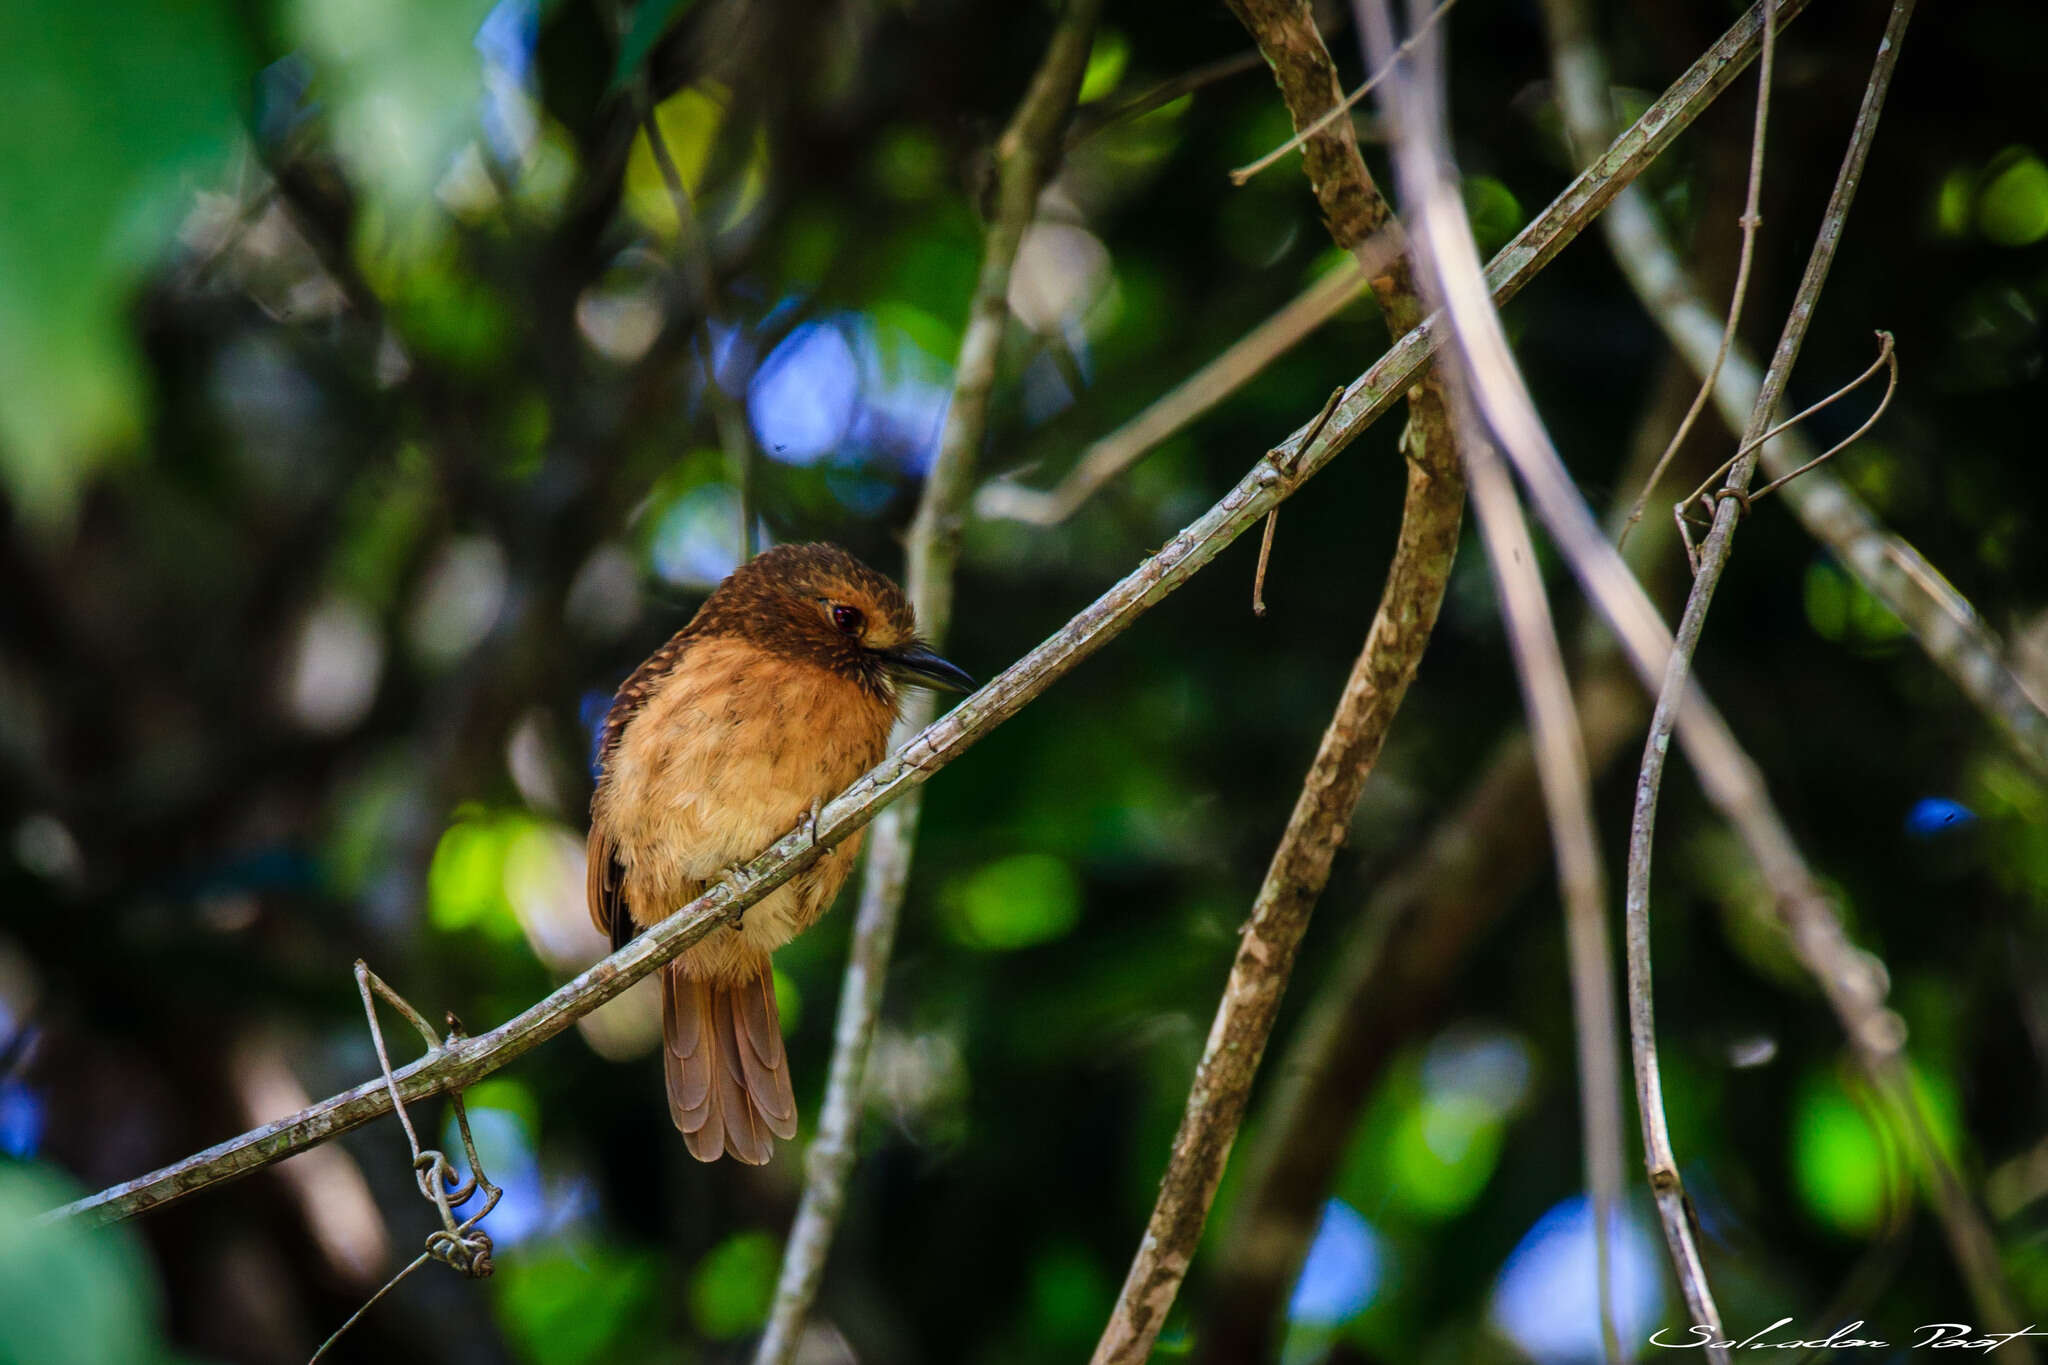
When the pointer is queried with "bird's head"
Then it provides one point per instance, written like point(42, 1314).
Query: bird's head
point(819, 604)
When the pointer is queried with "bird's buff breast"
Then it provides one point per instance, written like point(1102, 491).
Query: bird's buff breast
point(723, 759)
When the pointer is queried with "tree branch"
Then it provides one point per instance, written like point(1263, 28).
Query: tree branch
point(1027, 155)
point(1271, 480)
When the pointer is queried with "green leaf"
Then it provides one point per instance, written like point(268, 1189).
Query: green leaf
point(112, 110)
point(1016, 902)
point(68, 1292)
point(733, 1285)
point(2012, 200)
point(1840, 1164)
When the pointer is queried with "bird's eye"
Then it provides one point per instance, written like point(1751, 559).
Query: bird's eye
point(849, 619)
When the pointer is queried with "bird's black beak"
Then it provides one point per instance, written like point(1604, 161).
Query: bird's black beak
point(915, 664)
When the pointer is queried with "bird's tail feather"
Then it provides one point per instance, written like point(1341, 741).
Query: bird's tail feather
point(728, 1077)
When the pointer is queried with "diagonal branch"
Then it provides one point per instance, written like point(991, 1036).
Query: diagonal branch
point(1027, 155)
point(1271, 480)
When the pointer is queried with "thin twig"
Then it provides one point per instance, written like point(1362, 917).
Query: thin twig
point(1026, 156)
point(368, 1304)
point(1369, 398)
point(1751, 219)
point(1344, 106)
point(1178, 407)
point(1265, 555)
point(1273, 517)
point(458, 1243)
point(1415, 106)
point(1887, 360)
point(1853, 986)
point(734, 432)
point(1409, 604)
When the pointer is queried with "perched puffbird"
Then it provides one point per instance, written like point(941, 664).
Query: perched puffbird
point(775, 697)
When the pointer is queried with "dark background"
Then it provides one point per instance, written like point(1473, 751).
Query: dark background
point(356, 446)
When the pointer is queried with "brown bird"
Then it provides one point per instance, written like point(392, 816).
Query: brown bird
point(779, 693)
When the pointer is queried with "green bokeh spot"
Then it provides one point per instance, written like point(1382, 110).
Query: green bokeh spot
point(1106, 63)
point(1952, 203)
point(1841, 609)
point(909, 164)
point(1839, 1164)
point(2012, 201)
point(1495, 213)
point(575, 1305)
point(1441, 1153)
point(733, 1285)
point(68, 1292)
point(466, 879)
point(1070, 1297)
point(1015, 902)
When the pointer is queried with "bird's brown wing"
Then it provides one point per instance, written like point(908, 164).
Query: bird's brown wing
point(728, 1077)
point(637, 688)
point(603, 881)
point(605, 876)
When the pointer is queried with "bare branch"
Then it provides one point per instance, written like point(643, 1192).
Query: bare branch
point(1027, 154)
point(1271, 480)
point(1855, 988)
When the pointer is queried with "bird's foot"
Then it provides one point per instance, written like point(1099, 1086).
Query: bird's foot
point(817, 804)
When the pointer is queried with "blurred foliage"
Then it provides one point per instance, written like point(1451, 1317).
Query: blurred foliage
point(358, 441)
point(68, 1293)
